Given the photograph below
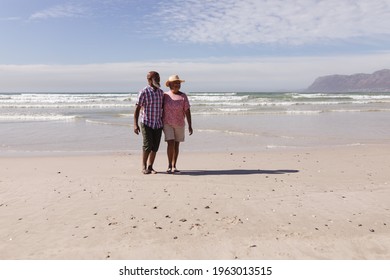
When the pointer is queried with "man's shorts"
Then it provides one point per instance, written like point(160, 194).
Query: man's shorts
point(152, 138)
point(174, 133)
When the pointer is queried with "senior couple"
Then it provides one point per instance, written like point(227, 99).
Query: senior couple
point(159, 111)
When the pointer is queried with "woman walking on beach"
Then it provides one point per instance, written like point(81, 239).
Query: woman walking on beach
point(176, 109)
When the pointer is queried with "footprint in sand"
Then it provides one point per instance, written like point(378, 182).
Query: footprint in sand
point(196, 226)
point(231, 220)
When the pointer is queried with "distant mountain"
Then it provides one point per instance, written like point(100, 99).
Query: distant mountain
point(378, 81)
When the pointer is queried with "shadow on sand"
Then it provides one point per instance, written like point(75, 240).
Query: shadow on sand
point(237, 172)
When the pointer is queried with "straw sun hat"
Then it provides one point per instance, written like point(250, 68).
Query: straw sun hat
point(173, 78)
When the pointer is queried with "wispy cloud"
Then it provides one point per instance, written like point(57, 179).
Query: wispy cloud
point(295, 22)
point(60, 11)
point(9, 18)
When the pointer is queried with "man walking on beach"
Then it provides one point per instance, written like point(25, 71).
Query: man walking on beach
point(150, 105)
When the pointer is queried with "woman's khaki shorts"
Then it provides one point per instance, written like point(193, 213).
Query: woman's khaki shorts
point(174, 133)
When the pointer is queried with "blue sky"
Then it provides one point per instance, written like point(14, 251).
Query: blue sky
point(224, 45)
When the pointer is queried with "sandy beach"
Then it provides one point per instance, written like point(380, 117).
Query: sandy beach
point(309, 203)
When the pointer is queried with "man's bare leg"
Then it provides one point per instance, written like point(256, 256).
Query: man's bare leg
point(145, 156)
point(152, 157)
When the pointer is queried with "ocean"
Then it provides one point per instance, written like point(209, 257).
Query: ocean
point(74, 123)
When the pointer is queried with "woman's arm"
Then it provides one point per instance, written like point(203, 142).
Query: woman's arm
point(189, 120)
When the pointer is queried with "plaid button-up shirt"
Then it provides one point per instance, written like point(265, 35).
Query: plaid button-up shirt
point(151, 101)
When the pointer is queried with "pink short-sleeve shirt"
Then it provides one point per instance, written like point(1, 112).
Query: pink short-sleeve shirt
point(175, 106)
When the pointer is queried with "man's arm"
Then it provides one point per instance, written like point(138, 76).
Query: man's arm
point(136, 116)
